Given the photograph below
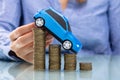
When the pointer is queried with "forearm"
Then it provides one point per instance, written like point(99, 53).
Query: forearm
point(114, 22)
point(5, 52)
point(10, 13)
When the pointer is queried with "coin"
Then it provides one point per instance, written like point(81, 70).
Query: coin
point(85, 66)
point(39, 49)
point(70, 61)
point(54, 57)
point(54, 67)
point(54, 49)
point(39, 37)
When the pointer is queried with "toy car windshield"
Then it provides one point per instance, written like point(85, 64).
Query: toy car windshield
point(56, 24)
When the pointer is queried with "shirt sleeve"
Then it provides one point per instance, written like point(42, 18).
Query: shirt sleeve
point(10, 12)
point(114, 22)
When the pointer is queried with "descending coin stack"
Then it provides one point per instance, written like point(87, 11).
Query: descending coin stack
point(54, 57)
point(39, 49)
point(54, 54)
point(70, 61)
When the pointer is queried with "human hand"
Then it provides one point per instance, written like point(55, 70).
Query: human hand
point(22, 41)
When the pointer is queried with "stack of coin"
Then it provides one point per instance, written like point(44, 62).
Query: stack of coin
point(54, 57)
point(39, 49)
point(86, 66)
point(70, 61)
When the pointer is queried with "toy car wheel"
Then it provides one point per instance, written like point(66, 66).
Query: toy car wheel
point(67, 44)
point(39, 22)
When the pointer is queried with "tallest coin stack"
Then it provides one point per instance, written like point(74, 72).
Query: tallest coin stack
point(39, 49)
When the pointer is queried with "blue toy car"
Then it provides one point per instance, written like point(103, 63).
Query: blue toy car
point(58, 26)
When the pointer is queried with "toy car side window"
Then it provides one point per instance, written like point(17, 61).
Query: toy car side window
point(69, 28)
point(58, 18)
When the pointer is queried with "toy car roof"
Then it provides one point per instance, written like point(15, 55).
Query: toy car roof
point(59, 18)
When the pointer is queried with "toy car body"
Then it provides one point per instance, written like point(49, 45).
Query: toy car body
point(59, 27)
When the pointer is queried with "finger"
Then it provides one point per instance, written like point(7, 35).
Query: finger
point(25, 50)
point(22, 41)
point(49, 36)
point(21, 30)
point(48, 42)
point(29, 57)
point(46, 32)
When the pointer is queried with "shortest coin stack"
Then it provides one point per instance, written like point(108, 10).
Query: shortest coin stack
point(54, 57)
point(85, 66)
point(70, 61)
